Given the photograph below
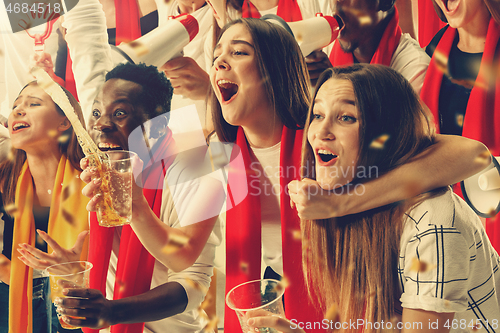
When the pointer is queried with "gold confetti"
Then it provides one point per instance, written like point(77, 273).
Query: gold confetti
point(281, 286)
point(207, 302)
point(63, 139)
point(333, 314)
point(10, 209)
point(52, 133)
point(175, 243)
point(483, 157)
point(159, 109)
point(196, 285)
point(492, 212)
point(441, 61)
point(421, 266)
point(68, 216)
point(299, 38)
point(139, 48)
point(446, 303)
point(102, 323)
point(39, 240)
point(244, 267)
point(296, 234)
point(365, 20)
point(460, 120)
point(3, 260)
point(121, 285)
point(212, 325)
point(379, 142)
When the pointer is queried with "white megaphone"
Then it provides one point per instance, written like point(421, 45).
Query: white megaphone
point(311, 34)
point(161, 44)
point(482, 191)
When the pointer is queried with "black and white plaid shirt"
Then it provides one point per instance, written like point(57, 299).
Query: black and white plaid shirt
point(447, 264)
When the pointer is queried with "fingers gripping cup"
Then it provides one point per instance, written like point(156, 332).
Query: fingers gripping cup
point(71, 274)
point(115, 205)
point(261, 297)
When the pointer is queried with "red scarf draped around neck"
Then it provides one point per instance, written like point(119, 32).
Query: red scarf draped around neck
point(385, 50)
point(482, 116)
point(243, 234)
point(135, 265)
point(288, 10)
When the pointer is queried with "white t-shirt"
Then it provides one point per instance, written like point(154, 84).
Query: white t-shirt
point(461, 272)
point(175, 204)
point(267, 167)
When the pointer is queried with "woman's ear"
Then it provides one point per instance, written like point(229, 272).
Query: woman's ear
point(64, 124)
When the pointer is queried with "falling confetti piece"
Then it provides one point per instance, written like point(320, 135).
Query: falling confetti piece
point(175, 243)
point(333, 314)
point(460, 120)
point(139, 48)
point(421, 266)
point(212, 325)
point(379, 142)
point(207, 302)
point(103, 324)
point(52, 133)
point(297, 235)
point(39, 240)
point(492, 212)
point(441, 61)
point(121, 285)
point(196, 285)
point(159, 109)
point(244, 267)
point(484, 157)
point(68, 216)
point(10, 209)
point(63, 139)
point(365, 20)
point(299, 38)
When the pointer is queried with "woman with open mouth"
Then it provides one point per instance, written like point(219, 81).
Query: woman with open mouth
point(462, 83)
point(261, 96)
point(42, 195)
point(419, 265)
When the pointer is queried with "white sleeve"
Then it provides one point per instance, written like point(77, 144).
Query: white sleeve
point(90, 52)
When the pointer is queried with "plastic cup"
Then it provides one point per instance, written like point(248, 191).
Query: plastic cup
point(115, 207)
point(266, 294)
point(74, 272)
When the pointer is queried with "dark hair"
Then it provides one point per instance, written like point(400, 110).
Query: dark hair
point(156, 88)
point(352, 261)
point(493, 8)
point(10, 169)
point(284, 74)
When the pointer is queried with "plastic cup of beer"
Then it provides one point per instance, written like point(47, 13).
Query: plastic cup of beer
point(115, 206)
point(258, 296)
point(74, 273)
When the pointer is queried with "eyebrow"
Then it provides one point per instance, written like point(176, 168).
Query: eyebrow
point(344, 100)
point(235, 42)
point(29, 96)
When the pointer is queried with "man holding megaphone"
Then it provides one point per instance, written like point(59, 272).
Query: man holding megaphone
point(370, 33)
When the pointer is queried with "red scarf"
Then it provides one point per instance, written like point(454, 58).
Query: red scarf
point(243, 235)
point(135, 264)
point(482, 116)
point(385, 50)
point(428, 22)
point(127, 21)
point(288, 10)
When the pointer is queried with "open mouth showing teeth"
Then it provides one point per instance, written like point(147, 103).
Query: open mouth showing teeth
point(227, 89)
point(104, 146)
point(19, 126)
point(325, 155)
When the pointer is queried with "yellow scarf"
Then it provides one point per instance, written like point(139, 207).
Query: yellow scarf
point(68, 217)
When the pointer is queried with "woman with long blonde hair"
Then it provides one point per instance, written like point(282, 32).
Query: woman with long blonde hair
point(41, 194)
